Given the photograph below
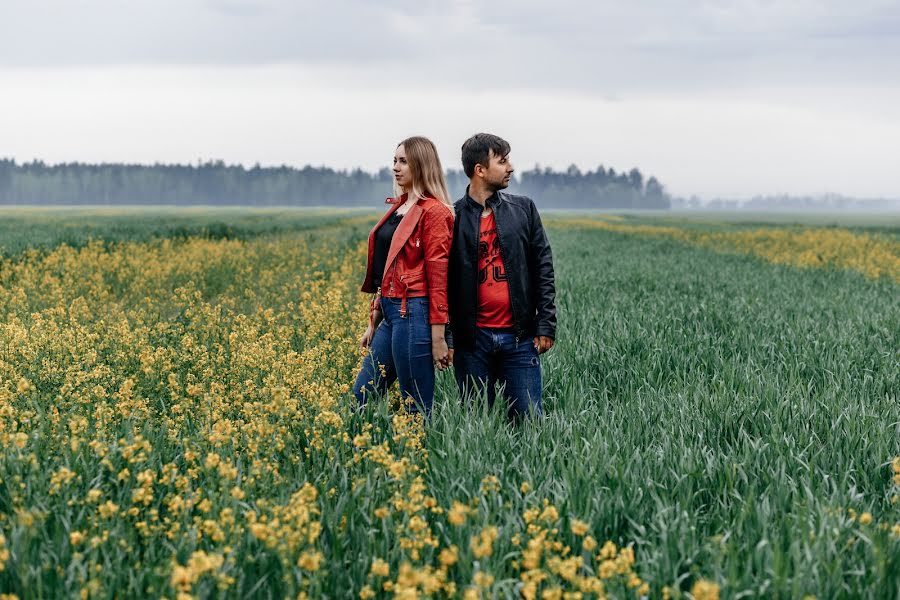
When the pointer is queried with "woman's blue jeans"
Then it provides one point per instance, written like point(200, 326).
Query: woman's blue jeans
point(400, 351)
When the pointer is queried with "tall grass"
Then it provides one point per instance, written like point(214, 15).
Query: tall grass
point(175, 419)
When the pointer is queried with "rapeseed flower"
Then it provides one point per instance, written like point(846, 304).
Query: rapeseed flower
point(578, 527)
point(705, 590)
point(380, 568)
point(449, 556)
point(457, 514)
point(483, 544)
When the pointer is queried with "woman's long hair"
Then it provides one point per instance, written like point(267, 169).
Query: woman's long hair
point(427, 172)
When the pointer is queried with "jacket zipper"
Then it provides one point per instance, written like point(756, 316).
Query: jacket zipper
point(505, 266)
point(475, 279)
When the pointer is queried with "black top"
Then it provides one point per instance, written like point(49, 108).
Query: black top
point(382, 245)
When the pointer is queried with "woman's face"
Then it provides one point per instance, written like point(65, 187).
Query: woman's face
point(402, 174)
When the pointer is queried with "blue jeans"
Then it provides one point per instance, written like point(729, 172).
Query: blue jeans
point(498, 358)
point(400, 351)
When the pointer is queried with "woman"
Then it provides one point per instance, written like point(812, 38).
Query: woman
point(407, 271)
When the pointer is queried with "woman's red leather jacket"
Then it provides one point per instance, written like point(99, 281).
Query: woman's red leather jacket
point(417, 259)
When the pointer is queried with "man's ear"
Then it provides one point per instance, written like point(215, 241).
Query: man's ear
point(479, 170)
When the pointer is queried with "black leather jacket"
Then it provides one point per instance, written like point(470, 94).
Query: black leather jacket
point(527, 260)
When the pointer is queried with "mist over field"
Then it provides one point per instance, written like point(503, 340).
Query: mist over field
point(216, 184)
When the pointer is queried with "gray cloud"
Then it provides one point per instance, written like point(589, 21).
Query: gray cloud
point(718, 98)
point(603, 46)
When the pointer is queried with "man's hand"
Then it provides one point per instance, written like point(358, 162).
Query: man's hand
point(542, 343)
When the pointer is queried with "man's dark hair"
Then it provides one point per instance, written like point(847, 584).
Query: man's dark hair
point(477, 151)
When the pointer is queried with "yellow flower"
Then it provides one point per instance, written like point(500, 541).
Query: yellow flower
point(705, 590)
point(608, 551)
point(549, 514)
point(482, 580)
point(23, 386)
point(449, 556)
point(260, 531)
point(310, 561)
point(145, 478)
point(607, 569)
point(4, 553)
point(366, 593)
point(490, 484)
point(76, 537)
point(108, 509)
point(525, 487)
point(579, 527)
point(181, 578)
point(212, 460)
point(865, 518)
point(380, 568)
point(483, 543)
point(457, 513)
point(554, 593)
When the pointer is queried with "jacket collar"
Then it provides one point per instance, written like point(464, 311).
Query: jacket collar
point(404, 230)
point(395, 204)
point(492, 201)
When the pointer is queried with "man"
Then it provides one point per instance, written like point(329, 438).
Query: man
point(502, 293)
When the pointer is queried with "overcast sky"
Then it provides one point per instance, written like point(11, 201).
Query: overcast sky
point(714, 98)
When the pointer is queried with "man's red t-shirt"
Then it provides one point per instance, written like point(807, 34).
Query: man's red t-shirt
point(494, 309)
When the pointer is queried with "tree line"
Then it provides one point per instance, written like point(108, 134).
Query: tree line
point(216, 183)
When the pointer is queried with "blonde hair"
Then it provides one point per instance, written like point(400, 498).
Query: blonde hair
point(427, 172)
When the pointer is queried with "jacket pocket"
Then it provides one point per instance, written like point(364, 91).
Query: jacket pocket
point(412, 278)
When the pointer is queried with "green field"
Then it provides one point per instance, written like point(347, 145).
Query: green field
point(730, 419)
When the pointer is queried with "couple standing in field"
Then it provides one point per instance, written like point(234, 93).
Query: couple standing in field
point(476, 291)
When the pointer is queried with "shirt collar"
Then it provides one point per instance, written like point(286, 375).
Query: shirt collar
point(493, 200)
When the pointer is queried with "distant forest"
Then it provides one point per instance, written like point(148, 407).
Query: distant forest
point(216, 183)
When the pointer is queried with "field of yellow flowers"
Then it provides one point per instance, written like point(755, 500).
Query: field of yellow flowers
point(175, 420)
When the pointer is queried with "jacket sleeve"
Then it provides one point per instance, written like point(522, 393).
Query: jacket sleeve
point(541, 266)
point(438, 233)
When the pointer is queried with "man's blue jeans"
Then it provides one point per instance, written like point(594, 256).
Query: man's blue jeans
point(400, 351)
point(498, 358)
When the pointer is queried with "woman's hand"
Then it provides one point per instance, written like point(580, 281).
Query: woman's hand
point(366, 339)
point(439, 351)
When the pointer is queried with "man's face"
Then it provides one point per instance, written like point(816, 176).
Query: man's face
point(498, 171)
